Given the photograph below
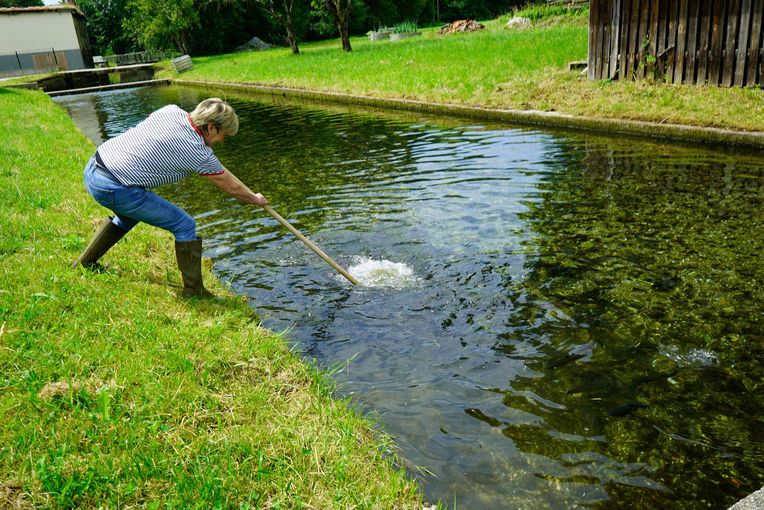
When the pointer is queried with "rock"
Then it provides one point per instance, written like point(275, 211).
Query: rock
point(518, 23)
point(462, 25)
point(753, 502)
point(254, 44)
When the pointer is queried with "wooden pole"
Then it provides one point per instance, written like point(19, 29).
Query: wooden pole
point(310, 245)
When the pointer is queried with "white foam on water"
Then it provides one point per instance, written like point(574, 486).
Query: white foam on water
point(383, 273)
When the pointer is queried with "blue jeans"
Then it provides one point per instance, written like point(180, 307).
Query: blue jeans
point(132, 205)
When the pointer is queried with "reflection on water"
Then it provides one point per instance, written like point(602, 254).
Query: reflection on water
point(560, 321)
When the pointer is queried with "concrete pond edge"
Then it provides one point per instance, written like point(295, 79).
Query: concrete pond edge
point(660, 131)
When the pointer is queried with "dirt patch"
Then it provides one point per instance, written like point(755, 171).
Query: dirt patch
point(58, 389)
point(12, 496)
point(62, 389)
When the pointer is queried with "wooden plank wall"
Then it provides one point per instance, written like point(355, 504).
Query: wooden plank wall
point(714, 42)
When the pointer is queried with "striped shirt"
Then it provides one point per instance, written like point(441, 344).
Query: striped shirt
point(164, 148)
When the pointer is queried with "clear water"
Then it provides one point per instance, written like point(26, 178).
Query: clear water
point(551, 320)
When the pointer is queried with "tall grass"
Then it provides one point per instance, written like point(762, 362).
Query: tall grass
point(456, 68)
point(495, 67)
point(115, 393)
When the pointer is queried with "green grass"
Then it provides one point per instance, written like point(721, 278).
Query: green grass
point(24, 79)
point(114, 392)
point(496, 67)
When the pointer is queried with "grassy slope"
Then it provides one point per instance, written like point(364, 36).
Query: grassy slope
point(114, 392)
point(525, 70)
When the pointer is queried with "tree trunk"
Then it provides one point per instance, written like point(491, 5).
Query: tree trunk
point(180, 44)
point(284, 18)
point(345, 36)
point(291, 36)
point(292, 42)
point(288, 7)
point(183, 42)
point(342, 17)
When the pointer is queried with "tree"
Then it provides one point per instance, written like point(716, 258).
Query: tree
point(283, 14)
point(380, 13)
point(104, 23)
point(341, 15)
point(160, 24)
point(411, 10)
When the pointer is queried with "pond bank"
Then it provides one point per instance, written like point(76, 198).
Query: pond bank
point(117, 393)
point(673, 132)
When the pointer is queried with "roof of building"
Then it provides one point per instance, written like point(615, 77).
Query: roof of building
point(45, 8)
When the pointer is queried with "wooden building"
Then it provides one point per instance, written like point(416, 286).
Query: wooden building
point(714, 42)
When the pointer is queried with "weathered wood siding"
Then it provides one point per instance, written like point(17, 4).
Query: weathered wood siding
point(715, 42)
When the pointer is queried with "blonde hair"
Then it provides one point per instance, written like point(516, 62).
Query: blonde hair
point(215, 111)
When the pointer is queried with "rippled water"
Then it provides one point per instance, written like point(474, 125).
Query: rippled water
point(549, 320)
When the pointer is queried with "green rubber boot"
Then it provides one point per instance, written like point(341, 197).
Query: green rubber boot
point(107, 236)
point(189, 254)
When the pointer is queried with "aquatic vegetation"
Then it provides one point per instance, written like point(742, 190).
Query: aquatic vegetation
point(654, 256)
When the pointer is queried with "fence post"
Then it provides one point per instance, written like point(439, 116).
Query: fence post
point(55, 58)
point(19, 61)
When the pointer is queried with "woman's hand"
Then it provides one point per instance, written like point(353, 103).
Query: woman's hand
point(260, 199)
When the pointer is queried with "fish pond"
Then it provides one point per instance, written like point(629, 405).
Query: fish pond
point(549, 319)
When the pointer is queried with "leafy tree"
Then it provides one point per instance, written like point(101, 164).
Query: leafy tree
point(367, 14)
point(381, 13)
point(161, 24)
point(411, 10)
point(226, 24)
point(104, 24)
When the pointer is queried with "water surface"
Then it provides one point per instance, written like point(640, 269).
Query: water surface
point(559, 320)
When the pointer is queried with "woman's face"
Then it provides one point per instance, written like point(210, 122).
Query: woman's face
point(214, 135)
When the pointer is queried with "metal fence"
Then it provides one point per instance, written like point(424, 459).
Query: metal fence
point(139, 57)
point(50, 59)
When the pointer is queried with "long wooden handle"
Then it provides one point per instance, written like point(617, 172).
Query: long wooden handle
point(310, 245)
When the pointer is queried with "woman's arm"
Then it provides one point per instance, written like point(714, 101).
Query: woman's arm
point(231, 184)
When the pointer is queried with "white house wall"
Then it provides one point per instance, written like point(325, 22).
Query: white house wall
point(35, 31)
point(24, 36)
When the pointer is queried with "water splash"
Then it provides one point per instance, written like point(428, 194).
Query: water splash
point(383, 273)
